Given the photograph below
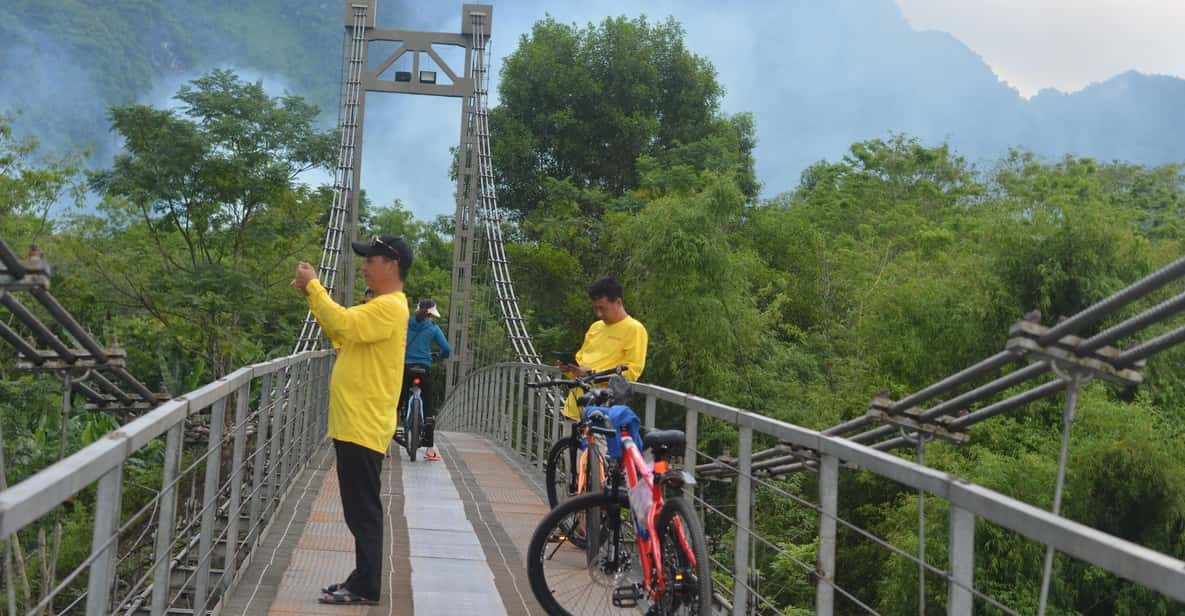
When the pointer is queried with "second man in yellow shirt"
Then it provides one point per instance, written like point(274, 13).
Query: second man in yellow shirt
point(615, 339)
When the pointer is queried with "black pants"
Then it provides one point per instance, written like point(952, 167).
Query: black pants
point(429, 428)
point(359, 477)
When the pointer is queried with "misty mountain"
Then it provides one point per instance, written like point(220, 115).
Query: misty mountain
point(817, 76)
point(854, 69)
point(63, 64)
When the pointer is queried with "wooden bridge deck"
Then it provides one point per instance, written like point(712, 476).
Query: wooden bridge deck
point(454, 539)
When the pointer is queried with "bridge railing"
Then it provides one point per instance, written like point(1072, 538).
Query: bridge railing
point(493, 401)
point(231, 452)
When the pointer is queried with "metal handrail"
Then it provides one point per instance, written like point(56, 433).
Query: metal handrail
point(290, 421)
point(494, 401)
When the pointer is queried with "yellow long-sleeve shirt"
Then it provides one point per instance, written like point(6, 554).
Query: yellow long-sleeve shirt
point(364, 388)
point(609, 346)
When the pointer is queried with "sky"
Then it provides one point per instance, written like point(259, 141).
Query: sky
point(812, 72)
point(1030, 44)
point(1062, 44)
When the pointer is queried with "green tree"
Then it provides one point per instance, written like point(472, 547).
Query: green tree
point(584, 103)
point(30, 186)
point(204, 216)
point(431, 272)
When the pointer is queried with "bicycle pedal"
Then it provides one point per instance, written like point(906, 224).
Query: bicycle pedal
point(626, 596)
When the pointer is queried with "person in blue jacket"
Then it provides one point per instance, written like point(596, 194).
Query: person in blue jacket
point(422, 332)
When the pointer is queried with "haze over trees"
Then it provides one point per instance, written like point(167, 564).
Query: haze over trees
point(891, 266)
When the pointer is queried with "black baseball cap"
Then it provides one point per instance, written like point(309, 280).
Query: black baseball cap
point(389, 246)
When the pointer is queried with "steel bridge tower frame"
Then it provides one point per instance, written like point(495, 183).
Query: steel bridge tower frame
point(476, 202)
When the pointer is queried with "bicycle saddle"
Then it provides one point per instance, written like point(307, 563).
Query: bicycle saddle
point(664, 442)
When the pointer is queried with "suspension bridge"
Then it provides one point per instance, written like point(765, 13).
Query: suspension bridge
point(248, 519)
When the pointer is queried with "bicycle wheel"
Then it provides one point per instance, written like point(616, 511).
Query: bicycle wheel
point(681, 537)
point(564, 483)
point(412, 433)
point(561, 480)
point(562, 577)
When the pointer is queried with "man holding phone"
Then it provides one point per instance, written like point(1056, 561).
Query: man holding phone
point(615, 339)
point(363, 391)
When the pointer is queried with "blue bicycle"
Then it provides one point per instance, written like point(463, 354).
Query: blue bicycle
point(413, 417)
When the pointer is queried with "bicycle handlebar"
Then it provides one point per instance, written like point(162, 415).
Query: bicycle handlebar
point(585, 382)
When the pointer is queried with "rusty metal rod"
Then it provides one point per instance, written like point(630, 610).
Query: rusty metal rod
point(1152, 316)
point(11, 262)
point(85, 339)
point(1150, 347)
point(38, 328)
point(1133, 292)
point(139, 387)
point(22, 346)
point(106, 384)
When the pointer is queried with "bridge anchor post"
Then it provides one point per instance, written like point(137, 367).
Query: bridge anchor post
point(828, 511)
point(960, 599)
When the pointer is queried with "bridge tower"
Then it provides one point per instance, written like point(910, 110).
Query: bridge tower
point(476, 202)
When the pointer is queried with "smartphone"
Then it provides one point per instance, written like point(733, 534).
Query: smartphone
point(565, 357)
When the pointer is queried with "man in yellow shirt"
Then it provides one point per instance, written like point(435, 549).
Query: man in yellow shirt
point(616, 339)
point(363, 393)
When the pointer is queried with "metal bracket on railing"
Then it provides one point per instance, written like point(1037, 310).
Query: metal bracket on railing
point(50, 362)
point(1024, 339)
point(24, 274)
point(881, 408)
point(69, 347)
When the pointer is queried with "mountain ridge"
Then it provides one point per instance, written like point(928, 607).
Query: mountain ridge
point(828, 75)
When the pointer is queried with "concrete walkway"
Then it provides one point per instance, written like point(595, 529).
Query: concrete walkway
point(455, 534)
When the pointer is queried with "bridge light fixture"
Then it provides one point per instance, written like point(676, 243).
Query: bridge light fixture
point(427, 76)
point(402, 75)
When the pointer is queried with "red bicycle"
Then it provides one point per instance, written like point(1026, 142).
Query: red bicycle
point(642, 549)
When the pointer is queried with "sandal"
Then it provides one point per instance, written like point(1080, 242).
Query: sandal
point(432, 457)
point(332, 588)
point(343, 596)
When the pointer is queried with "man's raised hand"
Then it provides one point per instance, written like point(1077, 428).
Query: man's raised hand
point(304, 274)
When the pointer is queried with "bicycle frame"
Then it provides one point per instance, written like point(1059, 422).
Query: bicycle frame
point(413, 394)
point(579, 472)
point(577, 477)
point(635, 470)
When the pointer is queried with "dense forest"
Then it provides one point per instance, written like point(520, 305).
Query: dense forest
point(890, 267)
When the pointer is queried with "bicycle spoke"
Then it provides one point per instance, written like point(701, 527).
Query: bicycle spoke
point(583, 581)
point(683, 560)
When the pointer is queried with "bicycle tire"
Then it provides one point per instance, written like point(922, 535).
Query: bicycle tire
point(567, 564)
point(562, 459)
point(414, 407)
point(558, 461)
point(685, 596)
